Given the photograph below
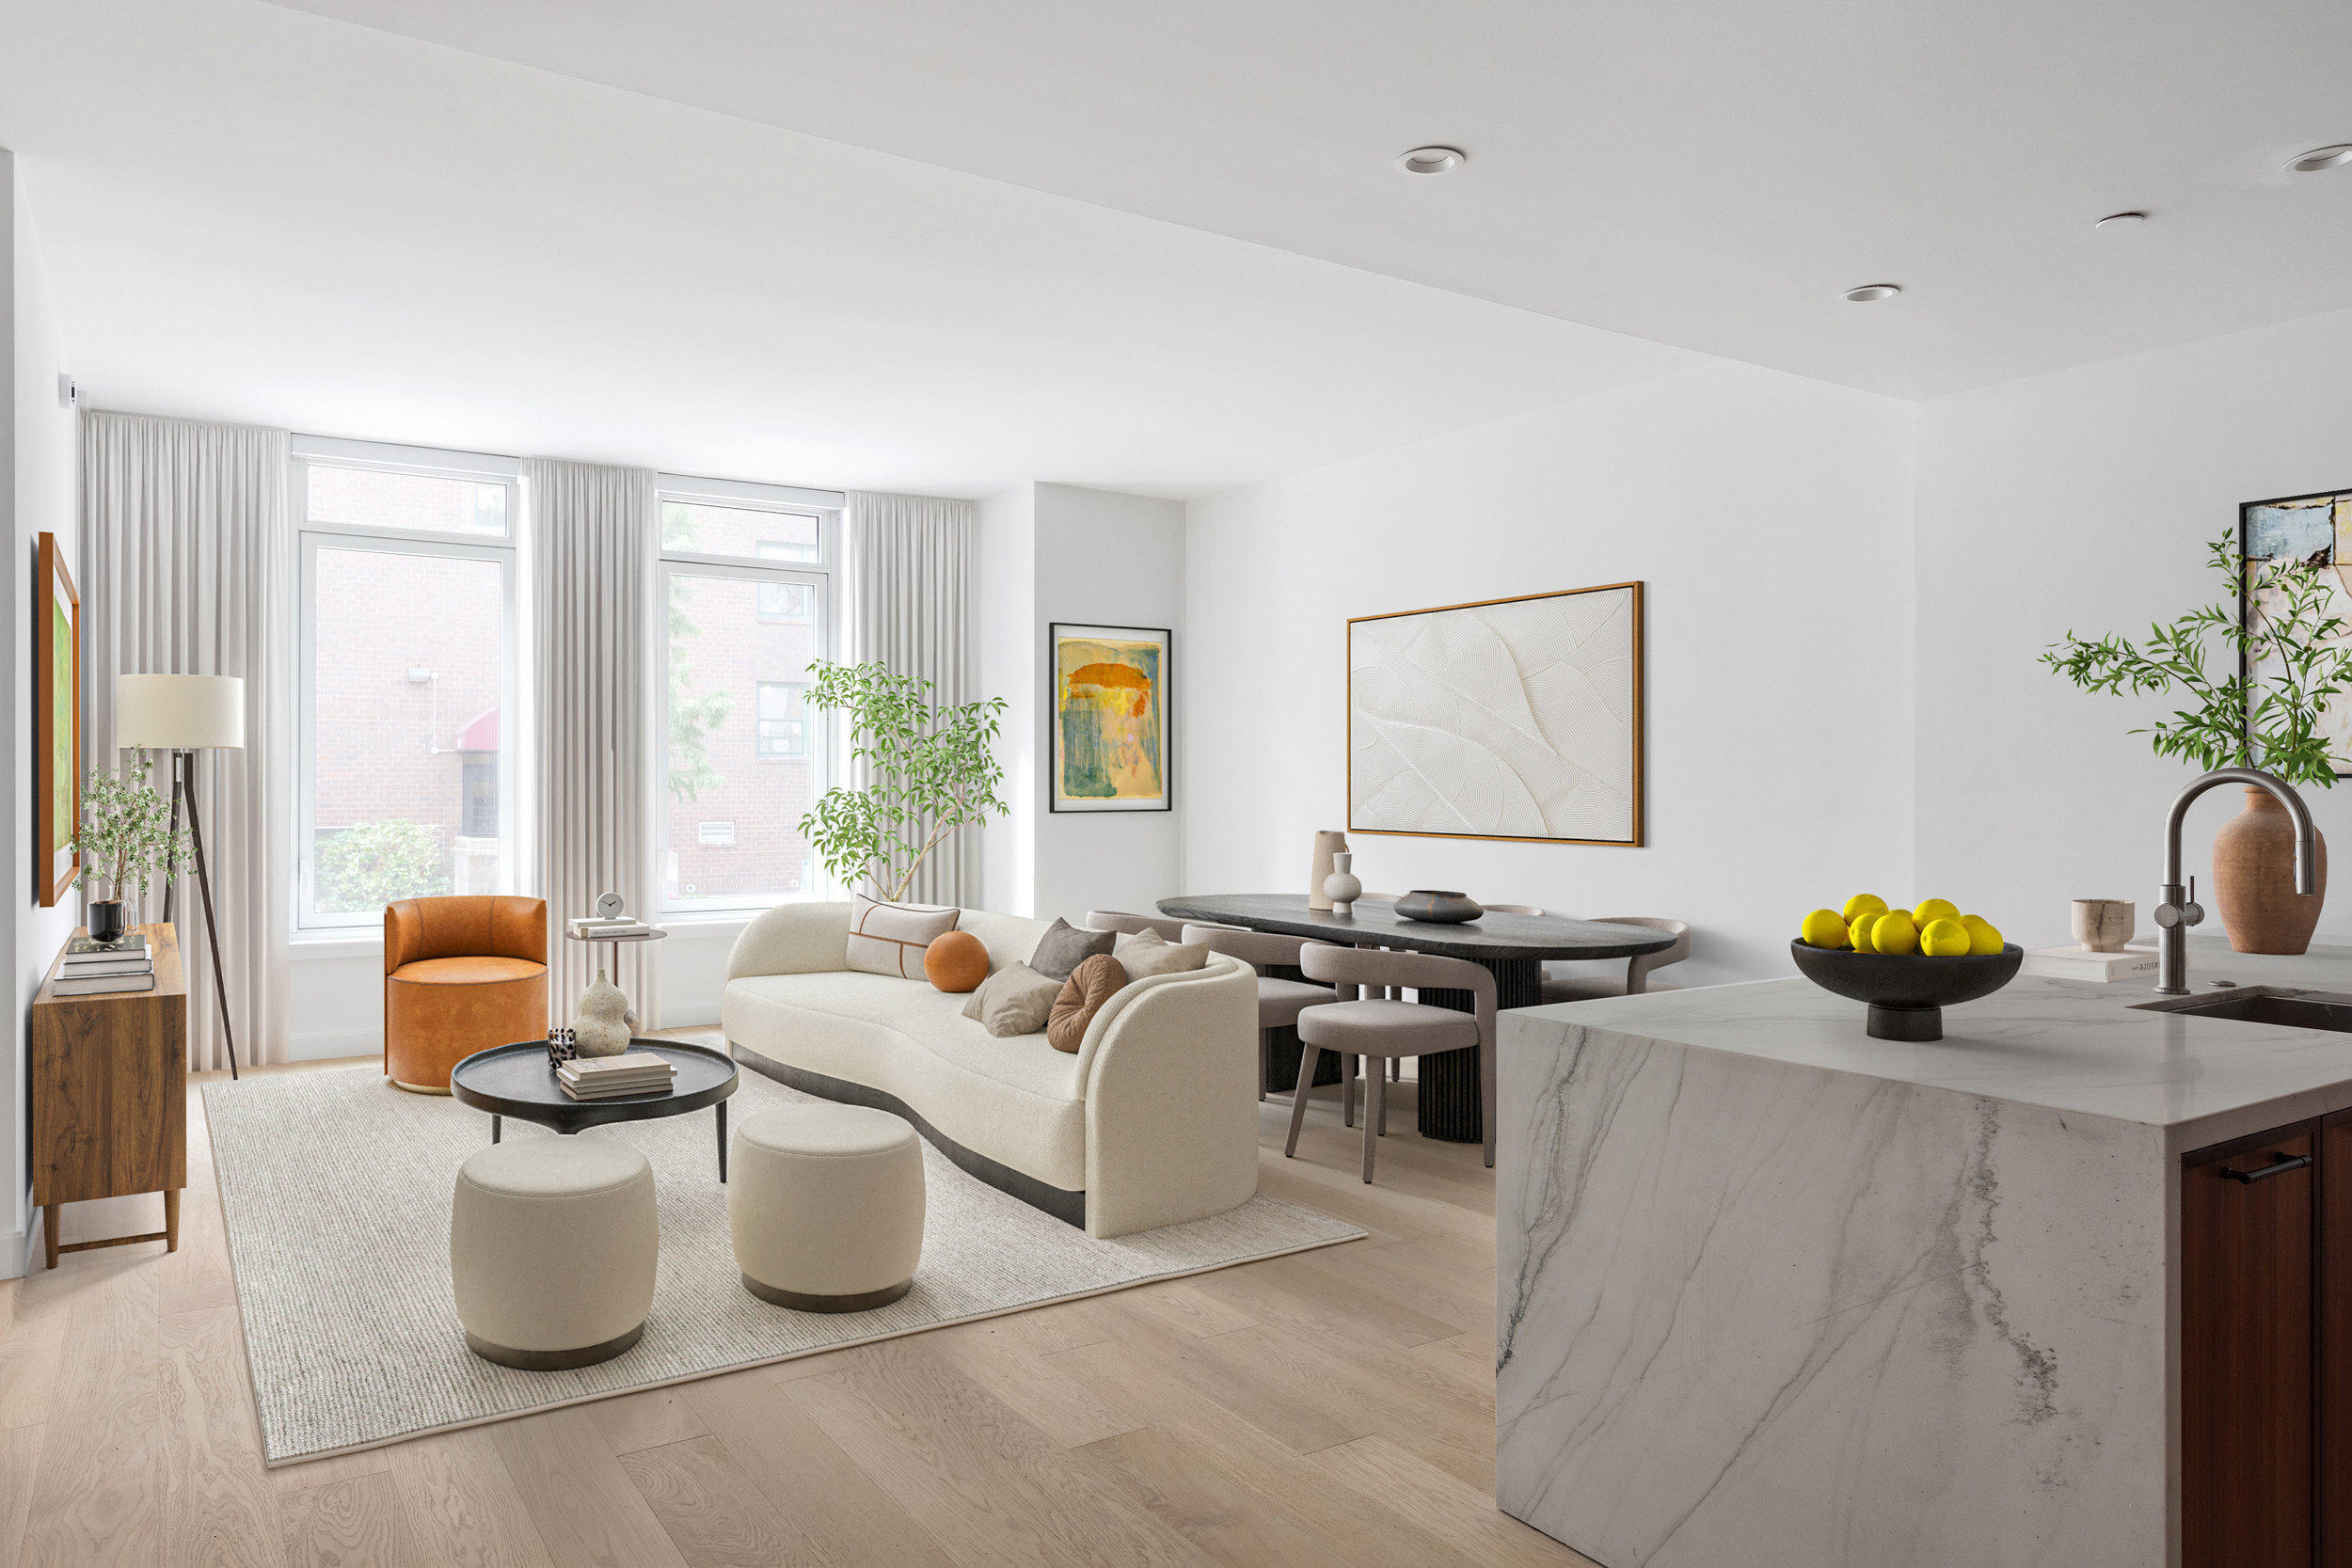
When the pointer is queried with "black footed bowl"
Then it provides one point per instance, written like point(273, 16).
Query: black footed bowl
point(1907, 992)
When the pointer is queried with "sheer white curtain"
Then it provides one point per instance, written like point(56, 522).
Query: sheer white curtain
point(911, 580)
point(188, 569)
point(595, 532)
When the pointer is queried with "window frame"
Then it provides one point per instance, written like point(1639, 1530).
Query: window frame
point(822, 577)
point(310, 538)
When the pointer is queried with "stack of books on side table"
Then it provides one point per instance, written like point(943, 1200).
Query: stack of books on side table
point(588, 926)
point(611, 1077)
point(93, 967)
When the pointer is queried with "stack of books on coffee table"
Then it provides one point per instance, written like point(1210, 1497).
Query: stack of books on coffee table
point(93, 967)
point(611, 1077)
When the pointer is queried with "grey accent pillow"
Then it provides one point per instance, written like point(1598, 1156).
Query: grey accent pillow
point(1064, 948)
point(1016, 1000)
point(1149, 953)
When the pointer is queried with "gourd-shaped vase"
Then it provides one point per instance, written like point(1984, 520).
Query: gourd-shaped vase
point(1342, 887)
point(603, 1027)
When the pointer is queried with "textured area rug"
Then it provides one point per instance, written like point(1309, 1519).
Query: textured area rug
point(337, 1187)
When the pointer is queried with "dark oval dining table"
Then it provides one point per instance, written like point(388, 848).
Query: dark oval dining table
point(1512, 946)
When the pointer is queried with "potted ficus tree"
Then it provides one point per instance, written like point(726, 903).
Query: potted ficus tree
point(126, 839)
point(928, 770)
point(2289, 662)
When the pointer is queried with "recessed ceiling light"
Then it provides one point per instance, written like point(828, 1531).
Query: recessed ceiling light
point(2122, 220)
point(2322, 157)
point(1432, 160)
point(1869, 292)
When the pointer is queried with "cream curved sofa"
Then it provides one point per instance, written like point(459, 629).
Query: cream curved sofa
point(1153, 1121)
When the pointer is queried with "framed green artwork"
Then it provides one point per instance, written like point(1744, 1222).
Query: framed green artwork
point(56, 726)
point(1110, 708)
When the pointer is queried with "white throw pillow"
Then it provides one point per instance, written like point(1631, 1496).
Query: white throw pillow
point(889, 939)
point(1147, 953)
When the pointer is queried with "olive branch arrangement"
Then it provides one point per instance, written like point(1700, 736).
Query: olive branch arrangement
point(126, 830)
point(2269, 721)
point(930, 769)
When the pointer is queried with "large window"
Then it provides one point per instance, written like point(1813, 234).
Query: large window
point(407, 661)
point(746, 578)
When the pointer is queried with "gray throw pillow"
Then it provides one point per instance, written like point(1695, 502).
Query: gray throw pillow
point(1016, 1000)
point(1064, 948)
point(1149, 953)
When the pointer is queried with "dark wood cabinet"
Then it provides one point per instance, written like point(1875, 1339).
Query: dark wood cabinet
point(110, 1096)
point(2267, 1349)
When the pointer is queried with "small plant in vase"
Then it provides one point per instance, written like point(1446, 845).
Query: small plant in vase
point(126, 840)
point(2290, 662)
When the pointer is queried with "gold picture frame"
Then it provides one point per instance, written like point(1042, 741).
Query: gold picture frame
point(56, 726)
point(1400, 647)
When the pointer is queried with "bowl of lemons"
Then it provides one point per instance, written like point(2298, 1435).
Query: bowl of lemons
point(1908, 965)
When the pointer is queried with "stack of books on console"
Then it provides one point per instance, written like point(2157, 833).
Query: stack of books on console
point(94, 968)
point(611, 1077)
point(623, 926)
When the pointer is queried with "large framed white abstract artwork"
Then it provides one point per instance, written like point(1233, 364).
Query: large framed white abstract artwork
point(1508, 718)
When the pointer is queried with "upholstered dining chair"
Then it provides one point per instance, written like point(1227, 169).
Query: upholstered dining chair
point(1279, 1002)
point(1131, 924)
point(1585, 987)
point(460, 975)
point(1384, 1028)
point(1513, 908)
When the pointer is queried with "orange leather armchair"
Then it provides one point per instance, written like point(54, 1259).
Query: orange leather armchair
point(460, 975)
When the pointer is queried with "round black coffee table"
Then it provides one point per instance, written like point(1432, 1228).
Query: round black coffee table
point(517, 1081)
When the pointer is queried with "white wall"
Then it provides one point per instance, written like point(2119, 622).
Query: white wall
point(1770, 517)
point(1063, 552)
point(2081, 501)
point(41, 465)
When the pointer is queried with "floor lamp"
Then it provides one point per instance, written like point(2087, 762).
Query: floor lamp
point(181, 714)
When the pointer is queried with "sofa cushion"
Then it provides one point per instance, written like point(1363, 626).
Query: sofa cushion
point(1063, 947)
point(466, 972)
point(1017, 1101)
point(1090, 984)
point(1147, 953)
point(890, 939)
point(1016, 1000)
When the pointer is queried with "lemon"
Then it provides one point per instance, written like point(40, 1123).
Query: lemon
point(1932, 909)
point(1863, 903)
point(1823, 929)
point(1982, 937)
point(1894, 933)
point(1859, 931)
point(1943, 939)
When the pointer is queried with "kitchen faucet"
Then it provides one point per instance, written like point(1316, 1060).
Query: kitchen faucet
point(2179, 911)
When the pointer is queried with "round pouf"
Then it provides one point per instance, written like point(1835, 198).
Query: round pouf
point(552, 1244)
point(826, 1206)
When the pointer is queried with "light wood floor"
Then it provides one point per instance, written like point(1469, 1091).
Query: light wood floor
point(1337, 1406)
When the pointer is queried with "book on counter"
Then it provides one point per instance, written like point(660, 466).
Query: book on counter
point(84, 957)
point(610, 1077)
point(2081, 964)
point(97, 985)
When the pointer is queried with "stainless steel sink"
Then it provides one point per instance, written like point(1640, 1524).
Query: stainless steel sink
point(2281, 1006)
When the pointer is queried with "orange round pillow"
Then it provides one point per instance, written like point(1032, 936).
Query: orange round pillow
point(1083, 994)
point(955, 961)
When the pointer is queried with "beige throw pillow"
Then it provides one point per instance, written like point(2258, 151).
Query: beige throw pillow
point(1147, 953)
point(889, 939)
point(1016, 1000)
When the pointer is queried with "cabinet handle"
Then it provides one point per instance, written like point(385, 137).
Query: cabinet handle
point(2280, 1165)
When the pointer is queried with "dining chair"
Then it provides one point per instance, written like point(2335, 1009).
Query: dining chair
point(1383, 1028)
point(1396, 1066)
point(1279, 1002)
point(1513, 908)
point(1586, 988)
point(1111, 920)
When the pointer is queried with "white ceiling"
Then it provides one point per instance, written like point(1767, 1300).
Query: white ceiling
point(1707, 173)
point(249, 212)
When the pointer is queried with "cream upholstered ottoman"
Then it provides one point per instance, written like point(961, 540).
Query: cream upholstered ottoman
point(553, 1244)
point(826, 1205)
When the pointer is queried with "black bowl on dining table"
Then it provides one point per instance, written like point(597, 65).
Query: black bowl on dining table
point(1436, 907)
point(1907, 992)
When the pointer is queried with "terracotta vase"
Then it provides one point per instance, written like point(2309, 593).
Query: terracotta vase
point(2253, 879)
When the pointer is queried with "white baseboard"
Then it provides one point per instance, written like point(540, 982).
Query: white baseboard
point(16, 1248)
point(322, 1045)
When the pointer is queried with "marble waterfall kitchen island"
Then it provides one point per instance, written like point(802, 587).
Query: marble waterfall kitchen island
point(1772, 1292)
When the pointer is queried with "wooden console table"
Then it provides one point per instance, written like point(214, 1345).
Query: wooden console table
point(110, 1096)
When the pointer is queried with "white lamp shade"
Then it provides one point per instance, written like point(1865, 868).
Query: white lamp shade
point(179, 712)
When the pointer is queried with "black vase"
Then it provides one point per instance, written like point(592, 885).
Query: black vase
point(105, 920)
point(1437, 908)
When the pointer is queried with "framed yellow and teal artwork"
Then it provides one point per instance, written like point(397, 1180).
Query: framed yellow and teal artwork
point(1109, 702)
point(57, 727)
